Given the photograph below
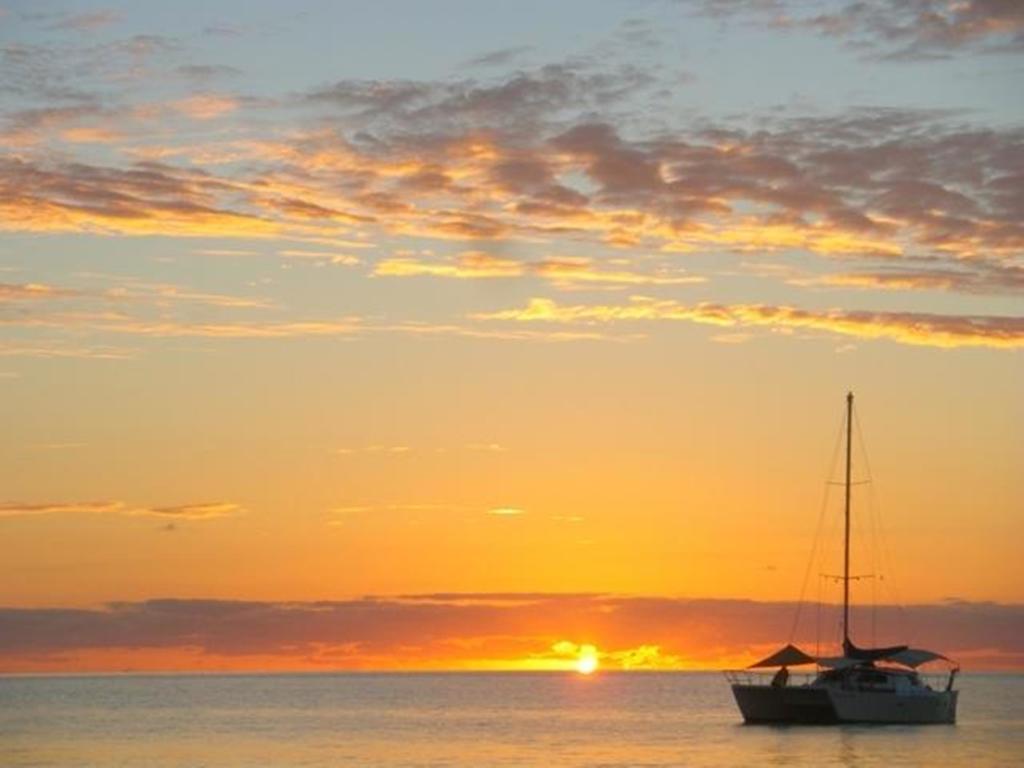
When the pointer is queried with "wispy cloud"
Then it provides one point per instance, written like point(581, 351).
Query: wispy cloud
point(467, 265)
point(61, 349)
point(231, 330)
point(326, 257)
point(375, 449)
point(565, 272)
point(183, 512)
point(499, 58)
point(916, 328)
point(110, 322)
point(86, 21)
point(206, 106)
point(487, 447)
point(69, 70)
point(29, 291)
point(196, 511)
point(129, 289)
point(888, 29)
point(973, 276)
point(407, 449)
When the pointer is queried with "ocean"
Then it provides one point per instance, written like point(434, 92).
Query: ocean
point(465, 719)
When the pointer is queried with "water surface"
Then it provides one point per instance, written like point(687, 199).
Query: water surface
point(468, 719)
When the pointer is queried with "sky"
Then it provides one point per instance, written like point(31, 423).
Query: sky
point(463, 335)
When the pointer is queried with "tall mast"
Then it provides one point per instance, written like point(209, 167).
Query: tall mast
point(846, 539)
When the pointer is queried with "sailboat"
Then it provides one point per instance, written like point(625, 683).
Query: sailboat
point(862, 685)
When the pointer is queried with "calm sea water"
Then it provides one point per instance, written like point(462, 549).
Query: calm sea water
point(514, 719)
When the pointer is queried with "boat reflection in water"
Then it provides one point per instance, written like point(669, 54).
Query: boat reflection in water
point(863, 685)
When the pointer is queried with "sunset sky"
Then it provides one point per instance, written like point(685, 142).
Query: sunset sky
point(471, 334)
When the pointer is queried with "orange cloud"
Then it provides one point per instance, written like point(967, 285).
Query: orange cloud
point(970, 276)
point(29, 291)
point(324, 257)
point(57, 349)
point(469, 264)
point(904, 327)
point(205, 106)
point(91, 135)
point(794, 186)
point(564, 272)
point(233, 330)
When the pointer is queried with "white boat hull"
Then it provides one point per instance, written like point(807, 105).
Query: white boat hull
point(877, 707)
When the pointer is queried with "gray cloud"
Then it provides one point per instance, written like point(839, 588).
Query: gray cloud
point(968, 276)
point(888, 29)
point(86, 21)
point(499, 58)
point(516, 104)
point(982, 634)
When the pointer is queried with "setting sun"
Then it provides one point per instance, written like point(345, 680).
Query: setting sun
point(587, 661)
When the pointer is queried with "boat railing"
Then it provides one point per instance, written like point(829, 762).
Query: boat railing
point(937, 681)
point(766, 677)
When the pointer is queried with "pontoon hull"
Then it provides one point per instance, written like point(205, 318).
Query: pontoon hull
point(827, 705)
point(881, 707)
point(794, 704)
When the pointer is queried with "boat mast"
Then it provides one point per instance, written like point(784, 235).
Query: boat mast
point(846, 540)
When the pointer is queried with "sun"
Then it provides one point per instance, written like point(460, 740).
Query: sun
point(587, 661)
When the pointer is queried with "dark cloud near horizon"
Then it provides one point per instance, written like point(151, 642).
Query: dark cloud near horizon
point(434, 625)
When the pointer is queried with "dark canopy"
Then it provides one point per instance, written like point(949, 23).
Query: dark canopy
point(851, 651)
point(790, 656)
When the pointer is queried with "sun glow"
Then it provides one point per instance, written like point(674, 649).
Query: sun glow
point(587, 661)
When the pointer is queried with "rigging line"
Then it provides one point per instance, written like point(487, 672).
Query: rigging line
point(877, 519)
point(817, 531)
point(872, 519)
point(831, 539)
point(859, 543)
point(817, 624)
point(873, 523)
point(874, 582)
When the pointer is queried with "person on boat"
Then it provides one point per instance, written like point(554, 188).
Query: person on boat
point(781, 677)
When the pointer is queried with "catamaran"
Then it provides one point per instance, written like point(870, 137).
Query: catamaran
point(862, 685)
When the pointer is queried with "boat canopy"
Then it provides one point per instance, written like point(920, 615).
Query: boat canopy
point(791, 656)
point(837, 662)
point(870, 654)
point(915, 657)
